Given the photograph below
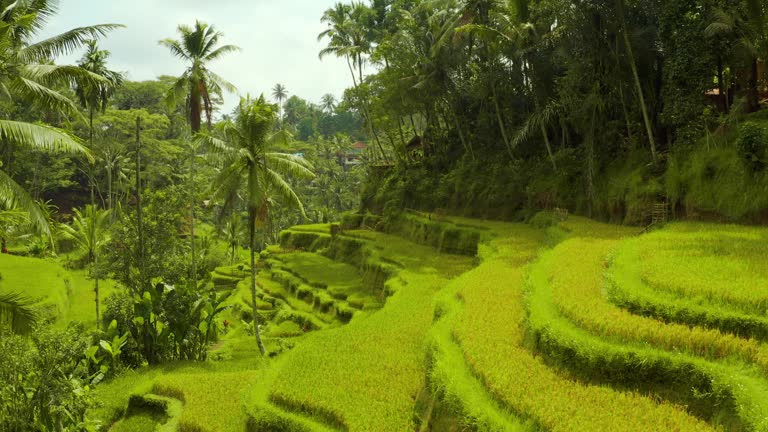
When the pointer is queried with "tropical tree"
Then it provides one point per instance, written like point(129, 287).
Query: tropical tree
point(328, 103)
point(348, 39)
point(89, 231)
point(94, 96)
point(26, 73)
point(198, 87)
point(232, 232)
point(248, 164)
point(280, 93)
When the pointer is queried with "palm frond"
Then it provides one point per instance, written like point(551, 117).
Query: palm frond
point(17, 313)
point(42, 137)
point(226, 49)
point(212, 143)
point(533, 124)
point(175, 47)
point(57, 74)
point(277, 183)
point(178, 92)
point(220, 82)
point(65, 43)
point(42, 96)
point(287, 164)
point(13, 196)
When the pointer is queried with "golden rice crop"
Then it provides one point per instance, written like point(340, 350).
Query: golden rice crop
point(366, 375)
point(490, 329)
point(713, 264)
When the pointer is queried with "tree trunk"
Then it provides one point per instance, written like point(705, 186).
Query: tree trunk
point(754, 97)
point(90, 144)
point(467, 146)
point(366, 113)
point(501, 121)
point(252, 229)
point(192, 217)
point(638, 84)
point(721, 84)
point(96, 291)
point(109, 189)
point(549, 147)
point(139, 210)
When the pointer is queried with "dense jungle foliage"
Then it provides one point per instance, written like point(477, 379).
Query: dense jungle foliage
point(603, 107)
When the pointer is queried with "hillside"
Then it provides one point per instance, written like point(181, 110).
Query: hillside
point(558, 329)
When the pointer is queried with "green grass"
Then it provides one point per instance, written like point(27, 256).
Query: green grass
point(64, 295)
point(44, 281)
point(82, 305)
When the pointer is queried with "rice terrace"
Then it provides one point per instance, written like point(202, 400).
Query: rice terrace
point(448, 215)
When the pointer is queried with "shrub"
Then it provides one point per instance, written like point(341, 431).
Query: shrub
point(753, 145)
point(543, 220)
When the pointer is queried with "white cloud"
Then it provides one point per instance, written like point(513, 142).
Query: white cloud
point(278, 40)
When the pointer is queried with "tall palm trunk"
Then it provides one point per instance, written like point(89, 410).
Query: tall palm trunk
point(195, 115)
point(96, 290)
point(90, 144)
point(500, 120)
point(192, 217)
point(139, 209)
point(109, 188)
point(252, 231)
point(366, 113)
point(638, 84)
point(754, 97)
point(721, 84)
point(549, 146)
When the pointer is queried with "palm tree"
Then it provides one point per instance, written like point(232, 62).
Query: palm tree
point(280, 94)
point(248, 164)
point(26, 73)
point(89, 232)
point(95, 96)
point(328, 103)
point(115, 164)
point(197, 86)
point(347, 39)
point(17, 313)
point(231, 233)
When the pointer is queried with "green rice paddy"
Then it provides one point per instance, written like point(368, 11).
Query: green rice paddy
point(581, 326)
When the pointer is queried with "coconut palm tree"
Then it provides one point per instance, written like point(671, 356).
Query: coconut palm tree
point(198, 87)
point(243, 146)
point(328, 103)
point(348, 39)
point(26, 73)
point(94, 96)
point(231, 233)
point(89, 232)
point(280, 94)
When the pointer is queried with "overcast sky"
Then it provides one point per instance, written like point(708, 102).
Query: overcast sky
point(278, 40)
